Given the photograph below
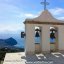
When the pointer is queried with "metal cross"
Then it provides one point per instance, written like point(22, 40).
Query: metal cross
point(45, 4)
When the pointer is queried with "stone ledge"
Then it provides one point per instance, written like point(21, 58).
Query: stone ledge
point(37, 22)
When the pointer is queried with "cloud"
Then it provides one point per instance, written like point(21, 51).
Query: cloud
point(11, 27)
point(10, 19)
point(30, 15)
point(12, 16)
point(60, 18)
point(57, 11)
point(9, 10)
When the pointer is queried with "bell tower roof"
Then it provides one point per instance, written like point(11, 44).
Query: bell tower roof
point(44, 17)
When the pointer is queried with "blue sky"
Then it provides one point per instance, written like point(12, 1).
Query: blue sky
point(14, 12)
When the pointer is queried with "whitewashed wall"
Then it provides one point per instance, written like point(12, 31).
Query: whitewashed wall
point(45, 40)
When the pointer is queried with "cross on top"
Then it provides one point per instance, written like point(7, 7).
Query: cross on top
point(45, 4)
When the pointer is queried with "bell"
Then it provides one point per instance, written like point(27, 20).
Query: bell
point(52, 35)
point(22, 34)
point(37, 34)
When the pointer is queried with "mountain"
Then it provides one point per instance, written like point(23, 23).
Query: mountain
point(11, 41)
point(7, 42)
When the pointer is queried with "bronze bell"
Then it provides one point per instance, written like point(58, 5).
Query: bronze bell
point(37, 34)
point(22, 34)
point(52, 35)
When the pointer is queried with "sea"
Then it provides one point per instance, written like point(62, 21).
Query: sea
point(20, 41)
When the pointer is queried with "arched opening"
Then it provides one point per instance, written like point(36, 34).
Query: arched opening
point(53, 39)
point(37, 39)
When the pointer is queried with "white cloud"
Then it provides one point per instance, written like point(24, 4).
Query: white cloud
point(29, 15)
point(60, 18)
point(9, 9)
point(57, 11)
point(9, 13)
point(11, 27)
point(12, 14)
point(10, 19)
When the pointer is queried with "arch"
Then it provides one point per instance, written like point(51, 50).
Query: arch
point(54, 38)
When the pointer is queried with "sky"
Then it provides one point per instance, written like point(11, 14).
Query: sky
point(14, 12)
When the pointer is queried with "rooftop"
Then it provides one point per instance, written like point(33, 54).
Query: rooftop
point(44, 17)
point(21, 58)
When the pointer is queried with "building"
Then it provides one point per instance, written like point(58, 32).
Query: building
point(44, 21)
